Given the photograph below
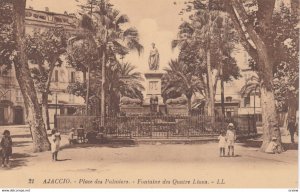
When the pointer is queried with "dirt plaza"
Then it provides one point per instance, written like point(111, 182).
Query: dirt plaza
point(150, 165)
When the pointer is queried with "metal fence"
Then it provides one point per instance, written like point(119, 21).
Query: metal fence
point(168, 126)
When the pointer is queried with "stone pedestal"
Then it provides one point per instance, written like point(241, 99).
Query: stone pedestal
point(153, 87)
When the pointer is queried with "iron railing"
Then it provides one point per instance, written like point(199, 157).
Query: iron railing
point(152, 126)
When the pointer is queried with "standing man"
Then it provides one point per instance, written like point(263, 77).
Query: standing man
point(292, 128)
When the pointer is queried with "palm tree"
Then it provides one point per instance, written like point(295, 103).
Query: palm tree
point(252, 85)
point(105, 28)
point(179, 78)
point(124, 81)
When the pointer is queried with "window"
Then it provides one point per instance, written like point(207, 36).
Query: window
point(229, 112)
point(57, 19)
point(247, 101)
point(228, 99)
point(72, 77)
point(42, 17)
point(19, 96)
point(56, 76)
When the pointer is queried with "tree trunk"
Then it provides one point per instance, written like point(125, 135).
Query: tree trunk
point(33, 111)
point(222, 96)
point(261, 56)
point(211, 99)
point(270, 120)
point(103, 92)
point(45, 107)
point(189, 102)
point(88, 91)
point(84, 76)
point(45, 110)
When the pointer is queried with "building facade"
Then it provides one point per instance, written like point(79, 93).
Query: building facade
point(12, 109)
point(236, 103)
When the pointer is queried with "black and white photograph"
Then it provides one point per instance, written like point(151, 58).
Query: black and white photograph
point(165, 94)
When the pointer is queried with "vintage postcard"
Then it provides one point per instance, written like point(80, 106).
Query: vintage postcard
point(149, 93)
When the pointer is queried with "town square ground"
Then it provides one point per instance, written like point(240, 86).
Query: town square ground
point(149, 165)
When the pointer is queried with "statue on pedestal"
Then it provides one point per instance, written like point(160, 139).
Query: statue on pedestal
point(153, 58)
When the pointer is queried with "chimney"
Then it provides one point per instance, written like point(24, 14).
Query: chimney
point(47, 9)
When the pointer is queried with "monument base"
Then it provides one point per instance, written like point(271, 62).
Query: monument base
point(153, 87)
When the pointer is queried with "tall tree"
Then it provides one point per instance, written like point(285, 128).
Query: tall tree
point(285, 34)
point(253, 22)
point(181, 79)
point(123, 81)
point(16, 55)
point(106, 25)
point(84, 57)
point(260, 52)
point(44, 49)
point(208, 29)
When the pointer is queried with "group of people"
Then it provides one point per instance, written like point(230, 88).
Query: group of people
point(227, 139)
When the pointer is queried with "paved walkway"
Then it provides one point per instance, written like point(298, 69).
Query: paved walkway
point(176, 165)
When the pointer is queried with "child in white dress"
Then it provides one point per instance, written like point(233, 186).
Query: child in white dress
point(222, 143)
point(231, 137)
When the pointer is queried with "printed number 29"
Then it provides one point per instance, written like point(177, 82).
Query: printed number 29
point(30, 181)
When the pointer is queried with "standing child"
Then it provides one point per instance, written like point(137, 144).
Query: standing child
point(6, 145)
point(222, 143)
point(55, 144)
point(230, 136)
point(72, 139)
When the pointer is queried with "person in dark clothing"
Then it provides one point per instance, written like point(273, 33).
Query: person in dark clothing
point(292, 128)
point(6, 145)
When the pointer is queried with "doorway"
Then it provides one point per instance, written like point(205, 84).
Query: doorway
point(18, 116)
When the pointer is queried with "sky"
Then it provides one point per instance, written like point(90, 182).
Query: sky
point(156, 20)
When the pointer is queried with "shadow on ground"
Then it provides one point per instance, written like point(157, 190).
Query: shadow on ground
point(229, 156)
point(89, 145)
point(21, 143)
point(290, 146)
point(21, 136)
point(251, 143)
point(258, 143)
point(18, 160)
point(63, 159)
